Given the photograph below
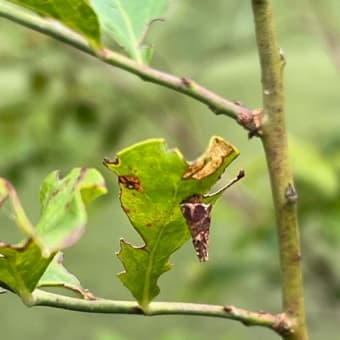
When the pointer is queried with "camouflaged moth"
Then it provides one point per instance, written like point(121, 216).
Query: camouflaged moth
point(198, 217)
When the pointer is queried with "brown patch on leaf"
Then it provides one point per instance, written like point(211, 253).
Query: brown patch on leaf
point(55, 192)
point(131, 182)
point(126, 210)
point(212, 159)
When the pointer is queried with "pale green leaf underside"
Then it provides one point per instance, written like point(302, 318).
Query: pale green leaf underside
point(152, 188)
point(126, 22)
point(75, 14)
point(56, 275)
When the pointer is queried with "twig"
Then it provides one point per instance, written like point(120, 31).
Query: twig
point(274, 139)
point(279, 323)
point(219, 105)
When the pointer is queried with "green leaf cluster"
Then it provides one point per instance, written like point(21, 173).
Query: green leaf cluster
point(25, 266)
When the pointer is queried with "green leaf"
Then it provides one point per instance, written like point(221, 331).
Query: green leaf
point(56, 275)
point(75, 14)
point(63, 213)
point(62, 221)
point(154, 181)
point(128, 21)
point(21, 267)
point(8, 192)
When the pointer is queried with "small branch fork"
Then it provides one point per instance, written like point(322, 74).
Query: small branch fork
point(246, 117)
point(280, 323)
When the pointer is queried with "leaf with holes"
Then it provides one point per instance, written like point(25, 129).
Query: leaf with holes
point(128, 21)
point(62, 221)
point(75, 14)
point(154, 182)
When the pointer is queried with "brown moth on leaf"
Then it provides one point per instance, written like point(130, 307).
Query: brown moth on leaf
point(198, 217)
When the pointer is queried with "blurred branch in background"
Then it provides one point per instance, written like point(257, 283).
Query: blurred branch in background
point(219, 105)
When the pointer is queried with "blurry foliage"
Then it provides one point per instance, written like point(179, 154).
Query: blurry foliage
point(62, 109)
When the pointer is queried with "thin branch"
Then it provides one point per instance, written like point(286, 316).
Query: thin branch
point(279, 323)
point(219, 105)
point(274, 139)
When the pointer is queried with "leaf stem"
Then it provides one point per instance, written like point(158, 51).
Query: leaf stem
point(274, 139)
point(279, 323)
point(219, 105)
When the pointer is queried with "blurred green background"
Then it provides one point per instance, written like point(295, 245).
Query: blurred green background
point(61, 109)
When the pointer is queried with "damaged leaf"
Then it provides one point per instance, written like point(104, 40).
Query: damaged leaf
point(211, 160)
point(162, 181)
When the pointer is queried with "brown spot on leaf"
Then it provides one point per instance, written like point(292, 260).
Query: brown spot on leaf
point(131, 182)
point(126, 210)
point(82, 174)
point(212, 159)
point(55, 192)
